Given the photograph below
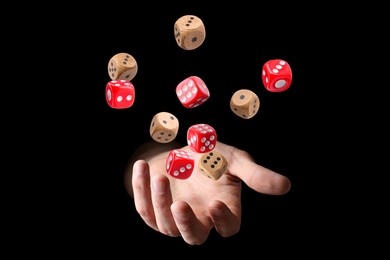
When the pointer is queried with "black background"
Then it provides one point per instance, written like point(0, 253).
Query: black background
point(81, 204)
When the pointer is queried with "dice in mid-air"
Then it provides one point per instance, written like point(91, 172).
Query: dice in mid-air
point(179, 164)
point(245, 103)
point(192, 92)
point(201, 138)
point(122, 66)
point(189, 32)
point(164, 127)
point(276, 75)
point(213, 165)
point(120, 94)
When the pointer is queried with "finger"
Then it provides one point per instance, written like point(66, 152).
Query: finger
point(142, 193)
point(192, 230)
point(162, 200)
point(227, 223)
point(256, 176)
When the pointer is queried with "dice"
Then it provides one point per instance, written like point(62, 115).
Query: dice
point(122, 66)
point(189, 32)
point(120, 94)
point(201, 138)
point(213, 165)
point(164, 127)
point(276, 75)
point(245, 103)
point(192, 92)
point(180, 164)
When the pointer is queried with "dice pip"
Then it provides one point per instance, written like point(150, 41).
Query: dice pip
point(201, 138)
point(245, 103)
point(213, 165)
point(189, 32)
point(120, 94)
point(192, 92)
point(122, 66)
point(276, 75)
point(179, 164)
point(164, 127)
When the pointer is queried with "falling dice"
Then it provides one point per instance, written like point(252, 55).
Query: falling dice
point(189, 32)
point(122, 66)
point(276, 75)
point(245, 103)
point(213, 165)
point(120, 94)
point(180, 164)
point(192, 92)
point(201, 138)
point(164, 127)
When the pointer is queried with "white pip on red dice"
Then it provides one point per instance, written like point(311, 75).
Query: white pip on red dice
point(192, 92)
point(276, 75)
point(179, 164)
point(201, 138)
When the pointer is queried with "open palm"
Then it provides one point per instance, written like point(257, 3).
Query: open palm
point(192, 207)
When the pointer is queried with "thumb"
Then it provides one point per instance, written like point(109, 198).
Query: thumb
point(257, 177)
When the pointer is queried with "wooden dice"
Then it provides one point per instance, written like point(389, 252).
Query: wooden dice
point(190, 32)
point(245, 103)
point(122, 66)
point(164, 127)
point(213, 165)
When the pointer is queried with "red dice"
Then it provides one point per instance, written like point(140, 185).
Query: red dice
point(180, 164)
point(201, 138)
point(120, 94)
point(192, 92)
point(276, 75)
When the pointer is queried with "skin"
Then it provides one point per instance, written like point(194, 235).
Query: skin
point(191, 208)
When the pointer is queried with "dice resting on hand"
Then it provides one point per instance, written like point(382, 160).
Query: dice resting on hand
point(201, 138)
point(213, 165)
point(180, 164)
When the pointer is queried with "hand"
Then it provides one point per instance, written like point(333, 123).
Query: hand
point(192, 207)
